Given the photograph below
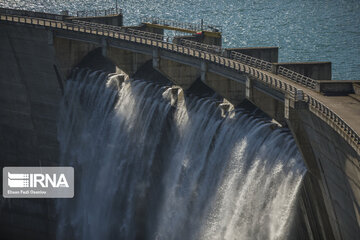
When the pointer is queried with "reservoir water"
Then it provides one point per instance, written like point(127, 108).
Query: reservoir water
point(304, 30)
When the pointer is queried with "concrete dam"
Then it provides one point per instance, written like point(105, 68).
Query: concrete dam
point(173, 137)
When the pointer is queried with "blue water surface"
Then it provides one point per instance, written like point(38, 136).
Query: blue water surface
point(304, 30)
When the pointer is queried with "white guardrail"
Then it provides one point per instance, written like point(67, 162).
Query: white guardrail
point(101, 12)
point(191, 26)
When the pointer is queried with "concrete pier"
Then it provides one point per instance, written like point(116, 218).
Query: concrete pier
point(269, 54)
point(314, 70)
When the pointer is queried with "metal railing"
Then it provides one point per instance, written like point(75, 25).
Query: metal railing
point(26, 13)
point(272, 80)
point(297, 77)
point(251, 61)
point(127, 30)
point(338, 123)
point(201, 46)
point(190, 26)
point(254, 62)
point(246, 59)
point(101, 12)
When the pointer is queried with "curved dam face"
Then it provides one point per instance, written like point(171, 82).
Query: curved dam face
point(155, 163)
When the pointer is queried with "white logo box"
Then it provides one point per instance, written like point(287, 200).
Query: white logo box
point(38, 182)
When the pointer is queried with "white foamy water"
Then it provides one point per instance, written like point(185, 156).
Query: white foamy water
point(148, 170)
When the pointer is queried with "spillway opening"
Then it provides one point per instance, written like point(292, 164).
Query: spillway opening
point(153, 162)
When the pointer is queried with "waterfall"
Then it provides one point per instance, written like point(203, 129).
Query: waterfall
point(154, 163)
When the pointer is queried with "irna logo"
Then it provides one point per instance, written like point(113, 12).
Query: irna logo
point(20, 180)
point(38, 182)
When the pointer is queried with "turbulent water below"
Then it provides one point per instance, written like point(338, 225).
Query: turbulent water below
point(150, 166)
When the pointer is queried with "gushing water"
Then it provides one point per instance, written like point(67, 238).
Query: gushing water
point(151, 163)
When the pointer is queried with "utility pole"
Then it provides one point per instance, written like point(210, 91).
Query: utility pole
point(116, 6)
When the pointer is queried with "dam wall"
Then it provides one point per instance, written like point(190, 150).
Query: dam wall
point(30, 92)
point(35, 62)
point(333, 176)
point(34, 66)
